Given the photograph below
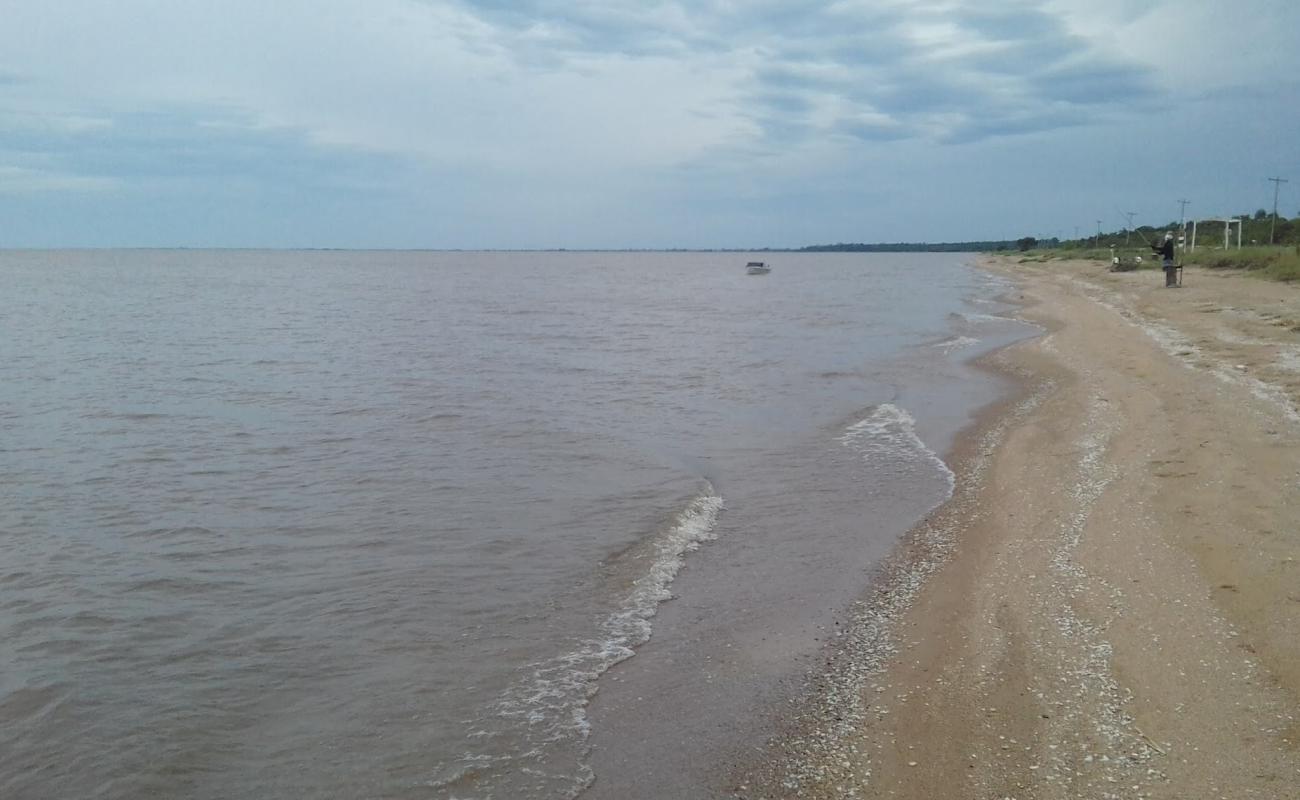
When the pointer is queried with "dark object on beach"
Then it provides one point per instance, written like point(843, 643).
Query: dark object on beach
point(1121, 264)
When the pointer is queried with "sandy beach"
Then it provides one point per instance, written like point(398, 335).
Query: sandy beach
point(1109, 606)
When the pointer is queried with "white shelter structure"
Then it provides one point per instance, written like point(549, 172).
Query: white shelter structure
point(1227, 231)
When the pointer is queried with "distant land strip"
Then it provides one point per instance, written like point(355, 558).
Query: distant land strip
point(856, 247)
point(912, 247)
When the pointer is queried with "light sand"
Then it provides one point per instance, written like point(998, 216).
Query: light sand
point(1110, 605)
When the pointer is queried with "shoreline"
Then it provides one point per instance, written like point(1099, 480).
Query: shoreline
point(723, 664)
point(1081, 619)
point(814, 753)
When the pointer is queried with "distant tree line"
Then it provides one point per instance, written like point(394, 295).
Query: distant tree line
point(1255, 229)
point(926, 247)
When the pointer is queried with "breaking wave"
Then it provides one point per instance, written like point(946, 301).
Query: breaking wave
point(539, 726)
point(887, 437)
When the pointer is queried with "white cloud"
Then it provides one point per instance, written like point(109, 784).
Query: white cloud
point(55, 123)
point(21, 180)
point(1193, 46)
point(427, 81)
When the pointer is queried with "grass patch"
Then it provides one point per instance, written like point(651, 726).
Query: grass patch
point(1037, 256)
point(1273, 263)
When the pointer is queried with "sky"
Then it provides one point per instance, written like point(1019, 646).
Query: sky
point(483, 124)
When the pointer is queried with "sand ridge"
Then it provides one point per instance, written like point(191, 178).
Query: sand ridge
point(1110, 606)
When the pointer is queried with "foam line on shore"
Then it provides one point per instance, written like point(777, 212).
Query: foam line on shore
point(955, 343)
point(823, 753)
point(1180, 348)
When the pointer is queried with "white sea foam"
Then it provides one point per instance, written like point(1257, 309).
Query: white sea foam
point(631, 625)
point(889, 432)
point(988, 280)
point(978, 318)
point(955, 343)
point(548, 705)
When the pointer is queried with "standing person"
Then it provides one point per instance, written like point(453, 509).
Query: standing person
point(1166, 253)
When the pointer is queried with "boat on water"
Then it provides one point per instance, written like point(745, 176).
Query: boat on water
point(757, 268)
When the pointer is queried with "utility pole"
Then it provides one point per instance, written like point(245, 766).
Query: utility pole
point(1277, 184)
point(1128, 230)
point(1098, 233)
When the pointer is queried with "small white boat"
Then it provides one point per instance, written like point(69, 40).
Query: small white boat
point(757, 268)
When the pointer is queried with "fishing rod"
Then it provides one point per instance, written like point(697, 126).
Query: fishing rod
point(1137, 230)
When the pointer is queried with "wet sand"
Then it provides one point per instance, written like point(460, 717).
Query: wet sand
point(1110, 605)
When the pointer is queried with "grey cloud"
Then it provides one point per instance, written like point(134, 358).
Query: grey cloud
point(1026, 61)
point(874, 131)
point(783, 132)
point(1094, 83)
point(593, 28)
point(785, 102)
point(1020, 59)
point(978, 127)
point(1010, 24)
point(639, 28)
point(918, 93)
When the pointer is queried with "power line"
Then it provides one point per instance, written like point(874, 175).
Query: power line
point(1277, 184)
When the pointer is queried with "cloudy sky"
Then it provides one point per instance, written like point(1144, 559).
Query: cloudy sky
point(635, 123)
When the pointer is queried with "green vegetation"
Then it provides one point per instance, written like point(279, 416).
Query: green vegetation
point(1274, 263)
point(996, 245)
point(1255, 230)
point(1280, 262)
point(1277, 263)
